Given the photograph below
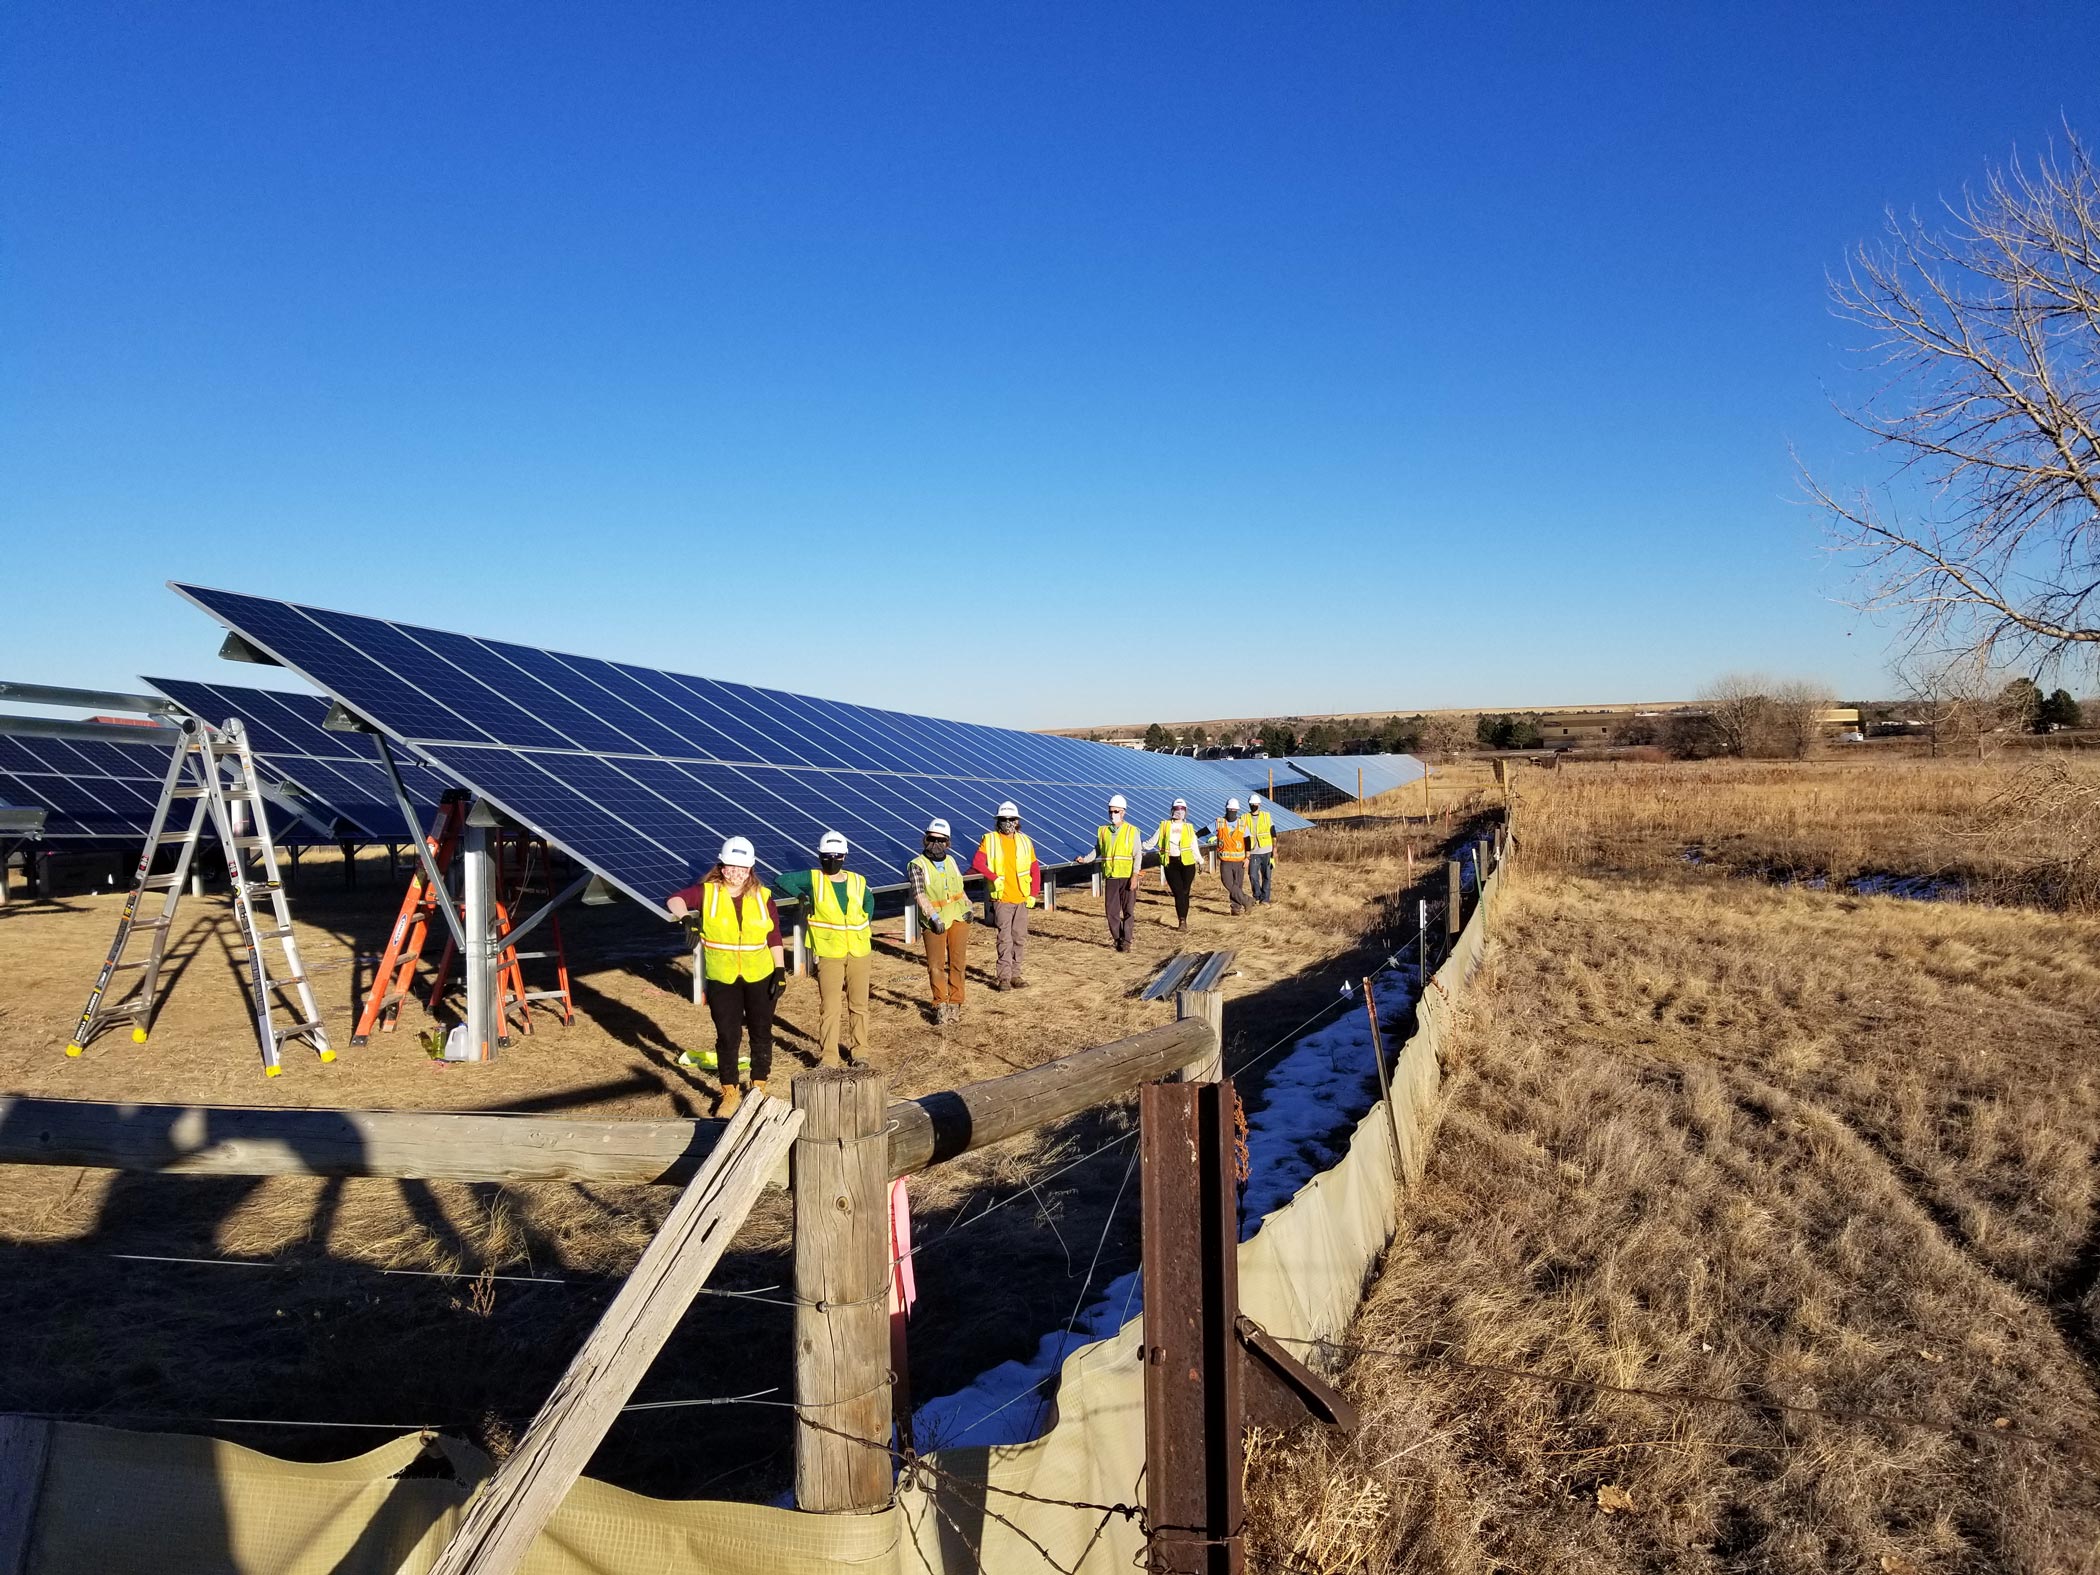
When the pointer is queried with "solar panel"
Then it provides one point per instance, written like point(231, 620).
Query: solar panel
point(640, 773)
point(20, 820)
point(97, 791)
point(89, 791)
point(1381, 773)
point(340, 770)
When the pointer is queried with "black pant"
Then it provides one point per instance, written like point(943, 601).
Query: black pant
point(1181, 880)
point(737, 1005)
point(1119, 898)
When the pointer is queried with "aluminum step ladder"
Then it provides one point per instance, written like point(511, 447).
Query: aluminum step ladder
point(214, 771)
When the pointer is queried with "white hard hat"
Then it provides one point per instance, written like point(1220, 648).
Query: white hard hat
point(1253, 799)
point(936, 828)
point(738, 853)
point(1232, 803)
point(1116, 801)
point(1179, 803)
point(832, 842)
point(1007, 811)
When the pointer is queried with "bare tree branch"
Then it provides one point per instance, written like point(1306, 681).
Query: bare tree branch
point(1984, 539)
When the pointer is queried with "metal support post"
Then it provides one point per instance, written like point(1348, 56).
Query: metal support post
point(911, 921)
point(1422, 941)
point(1094, 886)
point(1194, 1449)
point(798, 953)
point(1049, 893)
point(478, 877)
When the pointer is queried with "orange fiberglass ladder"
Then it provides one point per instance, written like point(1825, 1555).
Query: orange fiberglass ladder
point(521, 870)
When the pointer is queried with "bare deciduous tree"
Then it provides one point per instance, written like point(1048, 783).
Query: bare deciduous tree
point(1793, 718)
point(1735, 709)
point(1948, 697)
point(1986, 329)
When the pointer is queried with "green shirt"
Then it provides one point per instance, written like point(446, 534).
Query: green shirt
point(794, 886)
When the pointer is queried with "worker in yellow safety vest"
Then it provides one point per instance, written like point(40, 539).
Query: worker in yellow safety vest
point(1006, 858)
point(1175, 843)
point(840, 921)
point(1261, 850)
point(1230, 833)
point(744, 966)
point(1121, 854)
point(944, 921)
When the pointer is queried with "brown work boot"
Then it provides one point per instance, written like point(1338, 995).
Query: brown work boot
point(1017, 984)
point(999, 984)
point(758, 1089)
point(732, 1096)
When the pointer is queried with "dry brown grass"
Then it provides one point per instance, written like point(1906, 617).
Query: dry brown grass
point(1778, 1145)
point(2018, 831)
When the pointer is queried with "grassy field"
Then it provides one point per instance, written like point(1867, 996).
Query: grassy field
point(1760, 1230)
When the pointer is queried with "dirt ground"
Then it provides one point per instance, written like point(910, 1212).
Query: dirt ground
point(409, 1304)
point(1826, 1161)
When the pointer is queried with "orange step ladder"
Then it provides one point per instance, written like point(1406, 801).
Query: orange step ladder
point(521, 858)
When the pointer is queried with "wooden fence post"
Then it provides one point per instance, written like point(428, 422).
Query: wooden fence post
point(1206, 1006)
point(842, 1280)
point(1455, 901)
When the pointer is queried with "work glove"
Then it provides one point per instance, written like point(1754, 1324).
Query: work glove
point(777, 986)
point(940, 926)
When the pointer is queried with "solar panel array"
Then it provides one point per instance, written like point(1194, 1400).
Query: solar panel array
point(340, 770)
point(1381, 773)
point(90, 791)
point(97, 792)
point(640, 773)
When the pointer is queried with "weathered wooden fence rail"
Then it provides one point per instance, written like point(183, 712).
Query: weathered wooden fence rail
point(424, 1145)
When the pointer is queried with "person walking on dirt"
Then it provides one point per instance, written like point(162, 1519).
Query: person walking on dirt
point(1121, 855)
point(744, 964)
point(1261, 850)
point(840, 918)
point(1175, 843)
point(944, 921)
point(1231, 841)
point(1006, 858)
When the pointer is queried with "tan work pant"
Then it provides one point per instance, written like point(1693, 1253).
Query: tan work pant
point(842, 995)
point(948, 961)
point(1010, 919)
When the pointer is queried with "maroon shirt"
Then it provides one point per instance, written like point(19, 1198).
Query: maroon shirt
point(695, 895)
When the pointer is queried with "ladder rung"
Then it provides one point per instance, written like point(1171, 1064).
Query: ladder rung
point(545, 995)
point(295, 1029)
point(529, 956)
point(121, 966)
point(245, 843)
point(157, 883)
point(187, 790)
point(160, 923)
point(274, 935)
point(167, 837)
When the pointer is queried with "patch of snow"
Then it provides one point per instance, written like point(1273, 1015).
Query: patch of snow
point(1315, 1093)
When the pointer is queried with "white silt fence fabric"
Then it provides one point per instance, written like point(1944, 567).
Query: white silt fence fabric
point(107, 1500)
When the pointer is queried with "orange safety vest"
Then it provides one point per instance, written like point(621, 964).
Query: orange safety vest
point(1232, 840)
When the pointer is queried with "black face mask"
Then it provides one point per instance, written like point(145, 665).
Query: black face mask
point(936, 847)
point(831, 863)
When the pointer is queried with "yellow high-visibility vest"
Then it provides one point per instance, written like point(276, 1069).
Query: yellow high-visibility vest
point(1118, 849)
point(1263, 830)
point(944, 888)
point(1187, 855)
point(1024, 855)
point(1232, 840)
point(836, 931)
point(737, 934)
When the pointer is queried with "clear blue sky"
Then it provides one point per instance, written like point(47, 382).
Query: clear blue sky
point(1029, 363)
